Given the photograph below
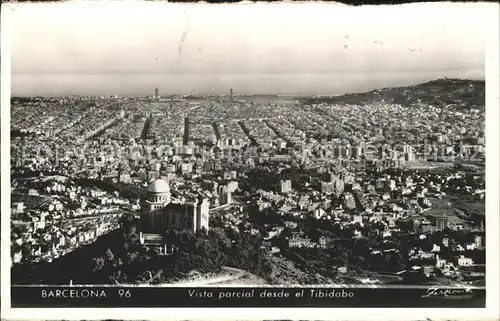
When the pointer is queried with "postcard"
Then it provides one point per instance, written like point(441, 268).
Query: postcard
point(270, 160)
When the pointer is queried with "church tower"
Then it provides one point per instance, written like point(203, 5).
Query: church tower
point(202, 214)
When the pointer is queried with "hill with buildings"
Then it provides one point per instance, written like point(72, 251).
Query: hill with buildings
point(441, 92)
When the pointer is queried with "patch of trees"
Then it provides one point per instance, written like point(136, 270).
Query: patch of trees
point(268, 180)
point(344, 250)
point(77, 265)
point(386, 262)
point(202, 252)
point(127, 191)
point(118, 257)
point(266, 216)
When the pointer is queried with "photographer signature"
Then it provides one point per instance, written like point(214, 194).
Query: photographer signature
point(440, 292)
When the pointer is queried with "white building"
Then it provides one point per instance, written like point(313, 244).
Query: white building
point(465, 261)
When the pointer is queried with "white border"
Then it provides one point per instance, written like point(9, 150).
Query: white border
point(492, 134)
point(5, 47)
point(492, 236)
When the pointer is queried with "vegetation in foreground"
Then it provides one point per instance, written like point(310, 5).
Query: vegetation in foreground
point(118, 257)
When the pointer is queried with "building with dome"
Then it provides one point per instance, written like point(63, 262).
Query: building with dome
point(158, 214)
point(158, 196)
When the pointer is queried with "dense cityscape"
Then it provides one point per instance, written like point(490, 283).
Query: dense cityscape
point(384, 187)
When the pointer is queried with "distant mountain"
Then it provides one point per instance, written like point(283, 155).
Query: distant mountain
point(441, 92)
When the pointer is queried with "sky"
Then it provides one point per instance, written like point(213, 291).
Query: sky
point(291, 49)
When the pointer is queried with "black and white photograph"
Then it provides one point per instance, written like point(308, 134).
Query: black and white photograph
point(259, 155)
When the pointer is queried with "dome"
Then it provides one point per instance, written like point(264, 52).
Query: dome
point(159, 186)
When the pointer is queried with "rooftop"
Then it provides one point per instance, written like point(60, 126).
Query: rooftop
point(159, 186)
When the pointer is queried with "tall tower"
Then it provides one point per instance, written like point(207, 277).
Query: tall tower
point(156, 93)
point(186, 131)
point(202, 214)
point(231, 93)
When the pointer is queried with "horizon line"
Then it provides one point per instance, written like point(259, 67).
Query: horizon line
point(249, 94)
point(76, 73)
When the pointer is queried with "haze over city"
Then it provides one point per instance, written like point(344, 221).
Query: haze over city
point(132, 48)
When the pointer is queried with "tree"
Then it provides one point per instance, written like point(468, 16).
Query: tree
point(109, 255)
point(26, 249)
point(394, 263)
point(98, 263)
point(128, 224)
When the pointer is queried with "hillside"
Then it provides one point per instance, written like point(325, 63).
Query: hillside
point(464, 93)
point(117, 257)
